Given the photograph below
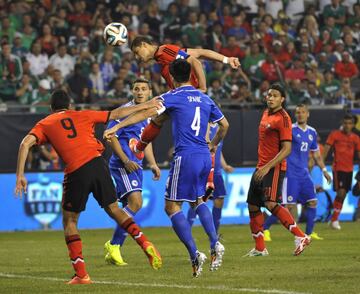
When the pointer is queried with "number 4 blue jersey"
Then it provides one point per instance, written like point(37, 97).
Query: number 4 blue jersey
point(190, 111)
point(124, 135)
point(303, 142)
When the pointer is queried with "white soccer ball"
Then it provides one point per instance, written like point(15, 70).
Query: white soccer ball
point(115, 34)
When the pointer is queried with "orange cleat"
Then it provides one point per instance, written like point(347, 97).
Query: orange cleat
point(76, 280)
point(153, 255)
point(132, 144)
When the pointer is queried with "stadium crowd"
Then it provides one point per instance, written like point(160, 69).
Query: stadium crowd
point(311, 47)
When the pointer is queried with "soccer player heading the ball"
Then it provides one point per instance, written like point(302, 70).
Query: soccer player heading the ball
point(145, 50)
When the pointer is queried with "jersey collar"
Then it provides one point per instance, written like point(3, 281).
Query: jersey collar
point(297, 125)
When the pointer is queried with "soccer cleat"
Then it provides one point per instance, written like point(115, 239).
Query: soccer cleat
point(301, 243)
point(197, 263)
point(253, 252)
point(113, 254)
point(335, 225)
point(315, 236)
point(267, 236)
point(153, 255)
point(76, 280)
point(216, 256)
point(132, 144)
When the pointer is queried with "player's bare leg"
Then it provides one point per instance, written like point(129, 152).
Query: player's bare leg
point(338, 203)
point(128, 224)
point(74, 244)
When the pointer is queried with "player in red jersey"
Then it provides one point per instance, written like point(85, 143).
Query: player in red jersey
point(344, 144)
point(145, 50)
point(275, 136)
point(71, 133)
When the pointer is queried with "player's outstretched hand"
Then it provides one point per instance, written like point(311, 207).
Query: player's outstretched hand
point(327, 177)
point(109, 133)
point(131, 166)
point(228, 169)
point(234, 62)
point(156, 172)
point(155, 102)
point(21, 186)
point(261, 173)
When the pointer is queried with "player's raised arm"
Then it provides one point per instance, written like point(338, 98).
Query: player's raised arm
point(152, 105)
point(21, 182)
point(199, 72)
point(220, 134)
point(212, 55)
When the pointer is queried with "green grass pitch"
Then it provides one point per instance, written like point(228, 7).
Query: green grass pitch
point(37, 262)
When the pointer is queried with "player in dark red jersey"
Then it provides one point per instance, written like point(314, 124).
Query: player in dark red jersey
point(344, 143)
point(275, 136)
point(71, 133)
point(145, 50)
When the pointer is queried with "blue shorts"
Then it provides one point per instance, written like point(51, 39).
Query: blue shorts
point(219, 191)
point(187, 177)
point(298, 190)
point(126, 182)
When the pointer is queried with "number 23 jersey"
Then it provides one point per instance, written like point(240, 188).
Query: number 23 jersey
point(72, 134)
point(303, 141)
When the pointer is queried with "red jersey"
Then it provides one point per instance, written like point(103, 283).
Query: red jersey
point(344, 146)
point(166, 54)
point(273, 129)
point(71, 133)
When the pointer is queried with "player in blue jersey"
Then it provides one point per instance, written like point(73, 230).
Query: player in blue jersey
point(190, 111)
point(126, 170)
point(219, 191)
point(298, 186)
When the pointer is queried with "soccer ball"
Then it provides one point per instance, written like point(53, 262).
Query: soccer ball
point(115, 34)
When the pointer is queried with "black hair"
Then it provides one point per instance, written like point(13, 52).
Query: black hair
point(279, 88)
point(301, 105)
point(349, 116)
point(138, 40)
point(140, 80)
point(59, 100)
point(180, 70)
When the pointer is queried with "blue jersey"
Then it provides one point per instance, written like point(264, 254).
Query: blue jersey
point(303, 142)
point(124, 135)
point(190, 111)
point(212, 132)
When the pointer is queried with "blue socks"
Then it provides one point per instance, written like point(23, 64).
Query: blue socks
point(310, 219)
point(216, 214)
point(182, 229)
point(120, 234)
point(191, 216)
point(207, 222)
point(272, 219)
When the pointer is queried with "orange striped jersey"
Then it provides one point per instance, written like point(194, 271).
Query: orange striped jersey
point(72, 134)
point(273, 129)
point(344, 146)
point(164, 55)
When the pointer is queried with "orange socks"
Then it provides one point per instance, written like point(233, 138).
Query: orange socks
point(74, 245)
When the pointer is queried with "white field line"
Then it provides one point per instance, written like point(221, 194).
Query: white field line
point(157, 285)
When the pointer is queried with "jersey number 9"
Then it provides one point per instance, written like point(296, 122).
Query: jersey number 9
point(68, 125)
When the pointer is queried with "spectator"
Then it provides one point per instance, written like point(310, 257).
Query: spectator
point(251, 62)
point(18, 49)
point(60, 25)
point(80, 17)
point(62, 61)
point(78, 42)
point(330, 26)
point(296, 93)
point(57, 81)
point(38, 61)
point(193, 32)
point(41, 98)
point(109, 65)
point(346, 68)
point(296, 72)
point(330, 87)
point(152, 18)
point(345, 95)
point(313, 96)
point(335, 10)
point(24, 90)
point(7, 29)
point(272, 7)
point(232, 48)
point(10, 72)
point(216, 38)
point(77, 82)
point(216, 91)
point(97, 81)
point(119, 94)
point(271, 69)
point(279, 54)
point(48, 41)
point(238, 30)
point(28, 36)
point(171, 26)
